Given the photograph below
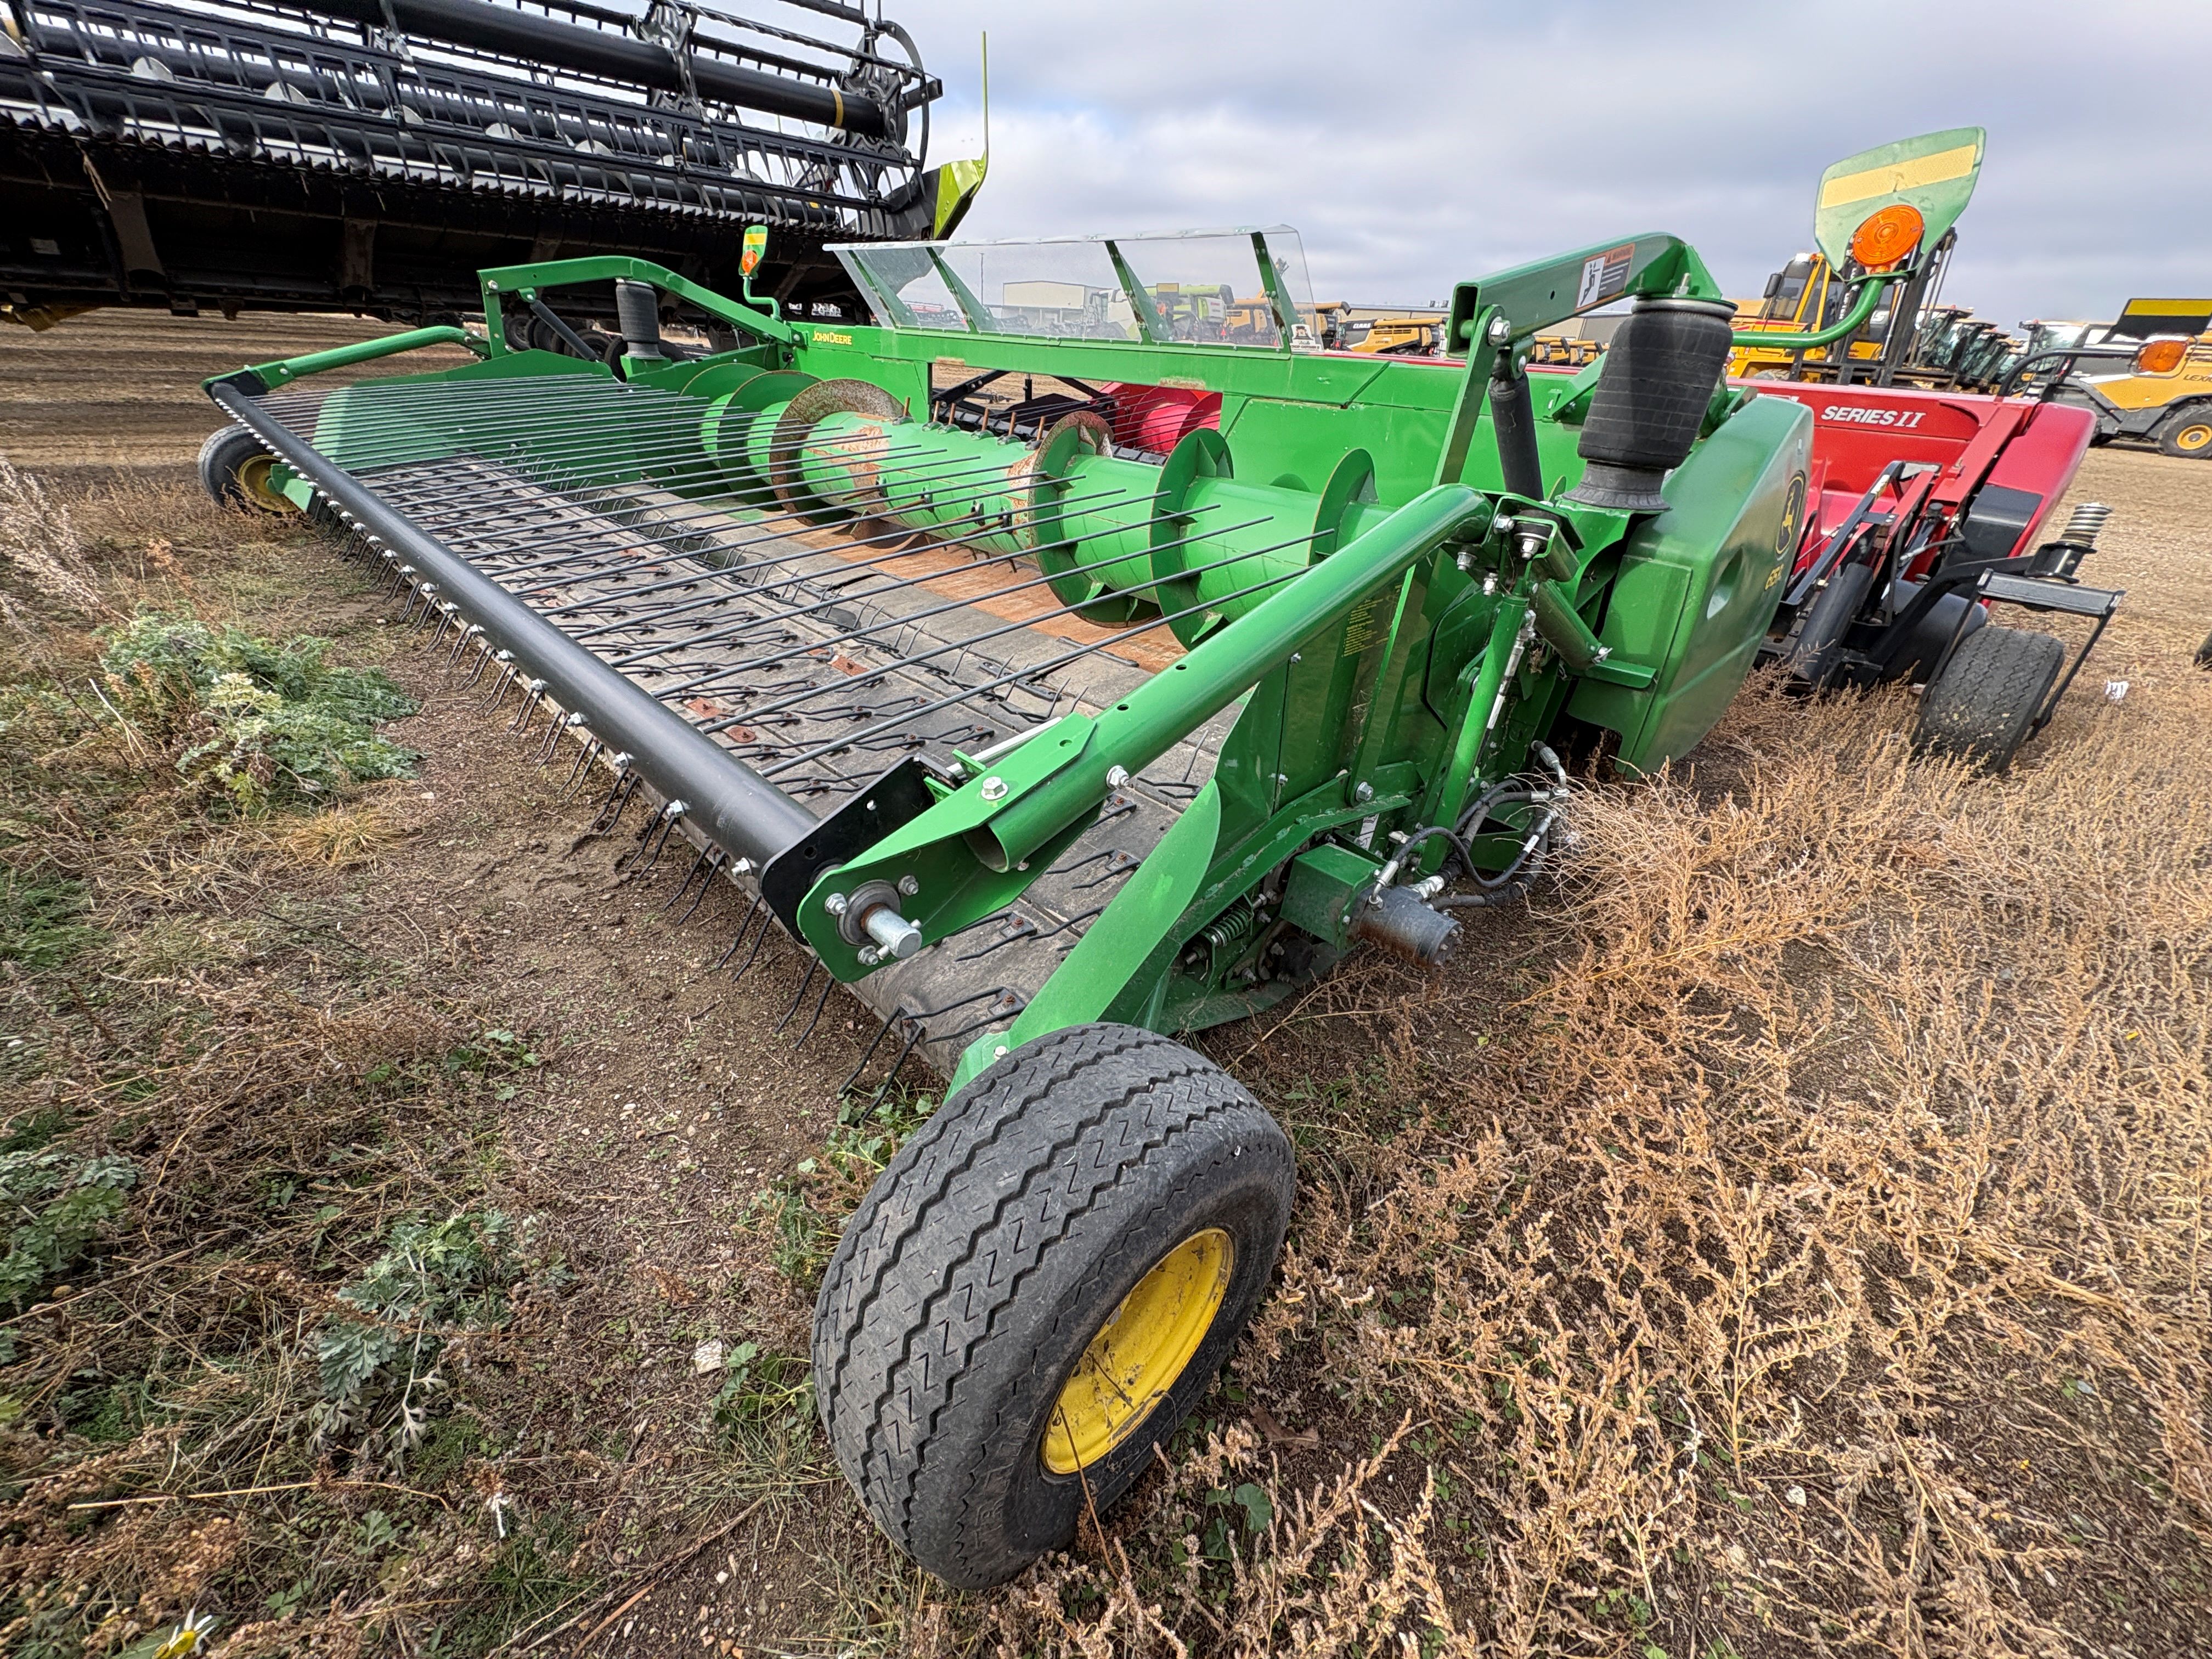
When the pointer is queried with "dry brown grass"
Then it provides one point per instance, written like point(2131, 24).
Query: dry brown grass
point(1837, 1132)
point(351, 833)
point(186, 1005)
point(1817, 1264)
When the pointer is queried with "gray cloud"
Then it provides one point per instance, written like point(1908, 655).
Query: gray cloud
point(1415, 143)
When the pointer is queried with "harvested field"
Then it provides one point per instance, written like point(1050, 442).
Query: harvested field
point(1787, 1235)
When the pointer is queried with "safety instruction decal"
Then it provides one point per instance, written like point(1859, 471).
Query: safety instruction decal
point(1605, 276)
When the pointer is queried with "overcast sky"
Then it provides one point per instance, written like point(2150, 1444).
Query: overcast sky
point(1416, 144)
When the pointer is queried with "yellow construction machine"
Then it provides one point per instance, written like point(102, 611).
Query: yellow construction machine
point(1804, 296)
point(2147, 374)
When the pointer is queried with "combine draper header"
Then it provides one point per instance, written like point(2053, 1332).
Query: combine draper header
point(372, 154)
point(1068, 656)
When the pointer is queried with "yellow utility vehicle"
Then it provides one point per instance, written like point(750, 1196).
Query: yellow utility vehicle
point(1802, 297)
point(2147, 374)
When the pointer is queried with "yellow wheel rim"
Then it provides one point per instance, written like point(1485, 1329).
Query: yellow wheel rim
point(2193, 437)
point(253, 484)
point(1139, 1352)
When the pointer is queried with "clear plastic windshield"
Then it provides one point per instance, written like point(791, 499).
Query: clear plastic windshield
point(1237, 288)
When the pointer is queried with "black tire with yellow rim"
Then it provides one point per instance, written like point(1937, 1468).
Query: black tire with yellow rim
point(236, 468)
point(1040, 1287)
point(2189, 434)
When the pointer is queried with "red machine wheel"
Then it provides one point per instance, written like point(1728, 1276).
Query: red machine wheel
point(1984, 703)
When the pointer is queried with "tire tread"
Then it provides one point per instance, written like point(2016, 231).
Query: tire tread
point(1979, 707)
point(969, 1208)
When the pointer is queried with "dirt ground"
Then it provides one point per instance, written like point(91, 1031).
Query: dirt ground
point(2022, 1470)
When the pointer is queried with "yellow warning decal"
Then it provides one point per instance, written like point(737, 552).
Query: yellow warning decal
point(1892, 177)
point(1360, 630)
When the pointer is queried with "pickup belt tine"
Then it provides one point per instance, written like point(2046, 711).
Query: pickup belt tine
point(813, 966)
point(1009, 1003)
point(549, 436)
point(488, 658)
point(1146, 626)
point(1018, 927)
point(889, 538)
point(899, 534)
point(654, 836)
point(637, 847)
point(912, 619)
point(586, 752)
point(914, 1035)
point(601, 473)
point(768, 918)
point(716, 859)
point(648, 517)
point(828, 984)
point(554, 731)
point(743, 923)
point(531, 691)
point(626, 785)
point(554, 441)
point(505, 661)
point(845, 596)
point(685, 886)
point(461, 641)
point(1118, 863)
point(898, 1012)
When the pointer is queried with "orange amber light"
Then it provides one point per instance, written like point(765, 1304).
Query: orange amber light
point(2161, 357)
point(1887, 236)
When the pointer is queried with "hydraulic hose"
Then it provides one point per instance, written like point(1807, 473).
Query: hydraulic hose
point(1862, 308)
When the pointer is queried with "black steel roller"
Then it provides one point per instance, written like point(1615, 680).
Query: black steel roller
point(597, 52)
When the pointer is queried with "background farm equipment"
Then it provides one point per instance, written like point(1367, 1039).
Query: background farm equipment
point(2147, 374)
point(1923, 511)
point(1817, 320)
point(1050, 746)
point(372, 154)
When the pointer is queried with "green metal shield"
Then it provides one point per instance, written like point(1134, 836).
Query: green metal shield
point(1933, 172)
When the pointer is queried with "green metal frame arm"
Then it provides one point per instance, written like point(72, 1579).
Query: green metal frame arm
point(283, 370)
point(1115, 947)
point(1279, 300)
point(1140, 297)
point(527, 279)
point(1534, 296)
point(971, 304)
point(1151, 720)
point(979, 847)
point(1852, 321)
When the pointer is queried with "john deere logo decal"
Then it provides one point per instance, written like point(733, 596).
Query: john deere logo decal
point(1793, 518)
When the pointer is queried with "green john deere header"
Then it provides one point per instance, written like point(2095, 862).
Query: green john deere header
point(1069, 657)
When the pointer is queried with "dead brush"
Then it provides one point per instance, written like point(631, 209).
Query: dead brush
point(40, 542)
point(350, 835)
point(1816, 1267)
